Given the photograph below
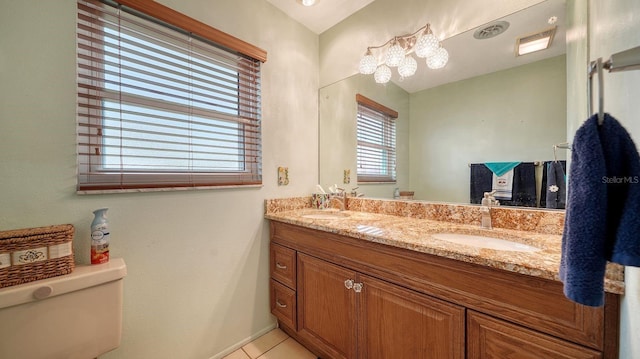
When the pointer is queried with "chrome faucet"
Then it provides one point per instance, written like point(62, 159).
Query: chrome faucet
point(485, 209)
point(341, 197)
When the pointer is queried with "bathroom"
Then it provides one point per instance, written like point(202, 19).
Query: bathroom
point(198, 261)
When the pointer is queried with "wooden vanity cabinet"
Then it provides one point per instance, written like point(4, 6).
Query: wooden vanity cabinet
point(359, 299)
point(351, 315)
point(327, 308)
point(494, 338)
point(282, 289)
point(395, 322)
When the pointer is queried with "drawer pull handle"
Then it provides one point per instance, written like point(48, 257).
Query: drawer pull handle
point(281, 266)
point(357, 287)
point(280, 304)
point(348, 283)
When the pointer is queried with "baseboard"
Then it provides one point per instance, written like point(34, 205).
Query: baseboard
point(244, 342)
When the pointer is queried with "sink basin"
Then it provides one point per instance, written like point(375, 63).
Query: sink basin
point(325, 214)
point(485, 242)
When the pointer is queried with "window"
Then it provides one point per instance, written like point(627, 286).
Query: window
point(376, 141)
point(163, 100)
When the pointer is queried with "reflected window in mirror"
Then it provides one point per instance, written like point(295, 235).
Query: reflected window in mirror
point(376, 134)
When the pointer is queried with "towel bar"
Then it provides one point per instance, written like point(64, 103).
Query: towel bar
point(621, 61)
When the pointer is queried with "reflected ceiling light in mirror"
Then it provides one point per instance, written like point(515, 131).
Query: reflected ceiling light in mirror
point(439, 59)
point(382, 74)
point(408, 66)
point(307, 2)
point(536, 42)
point(397, 53)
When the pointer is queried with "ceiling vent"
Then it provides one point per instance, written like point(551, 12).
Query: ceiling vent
point(491, 30)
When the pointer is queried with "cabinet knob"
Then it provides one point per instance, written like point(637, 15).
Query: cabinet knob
point(348, 283)
point(280, 304)
point(280, 266)
point(357, 287)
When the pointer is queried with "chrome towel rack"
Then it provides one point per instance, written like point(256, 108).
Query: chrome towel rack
point(564, 146)
point(621, 61)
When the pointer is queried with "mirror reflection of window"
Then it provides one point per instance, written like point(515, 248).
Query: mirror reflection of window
point(376, 133)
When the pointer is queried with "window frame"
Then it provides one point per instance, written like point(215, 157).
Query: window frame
point(387, 119)
point(89, 164)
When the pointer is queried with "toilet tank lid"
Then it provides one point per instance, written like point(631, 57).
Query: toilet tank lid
point(83, 276)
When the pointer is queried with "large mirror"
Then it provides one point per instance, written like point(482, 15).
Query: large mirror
point(486, 105)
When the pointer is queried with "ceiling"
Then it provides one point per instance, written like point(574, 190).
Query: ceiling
point(468, 57)
point(323, 14)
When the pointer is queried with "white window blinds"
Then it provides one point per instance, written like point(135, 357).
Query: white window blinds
point(161, 108)
point(376, 133)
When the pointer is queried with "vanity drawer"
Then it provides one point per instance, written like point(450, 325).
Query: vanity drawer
point(488, 337)
point(283, 304)
point(283, 265)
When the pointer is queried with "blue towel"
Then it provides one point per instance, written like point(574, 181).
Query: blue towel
point(602, 222)
point(556, 186)
point(545, 185)
point(524, 184)
point(500, 168)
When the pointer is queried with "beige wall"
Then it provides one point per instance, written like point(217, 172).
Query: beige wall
point(197, 261)
point(338, 129)
point(512, 115)
point(614, 26)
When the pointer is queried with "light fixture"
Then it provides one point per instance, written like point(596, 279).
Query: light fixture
point(408, 66)
point(368, 64)
point(382, 74)
point(397, 53)
point(439, 59)
point(307, 2)
point(536, 42)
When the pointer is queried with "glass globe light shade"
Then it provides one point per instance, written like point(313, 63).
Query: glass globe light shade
point(407, 66)
point(395, 54)
point(427, 45)
point(439, 59)
point(382, 74)
point(368, 64)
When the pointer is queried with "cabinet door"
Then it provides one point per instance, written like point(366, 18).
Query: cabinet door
point(395, 322)
point(489, 338)
point(326, 308)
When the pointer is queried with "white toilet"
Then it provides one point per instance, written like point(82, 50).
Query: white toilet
point(78, 315)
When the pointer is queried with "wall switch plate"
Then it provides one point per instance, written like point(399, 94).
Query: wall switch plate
point(283, 176)
point(346, 178)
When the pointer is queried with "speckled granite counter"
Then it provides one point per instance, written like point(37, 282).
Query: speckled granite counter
point(415, 234)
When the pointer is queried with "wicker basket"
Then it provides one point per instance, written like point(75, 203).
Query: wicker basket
point(31, 254)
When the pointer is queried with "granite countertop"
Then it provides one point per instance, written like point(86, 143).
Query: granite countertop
point(417, 235)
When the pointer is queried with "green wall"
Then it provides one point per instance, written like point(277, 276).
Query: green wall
point(512, 115)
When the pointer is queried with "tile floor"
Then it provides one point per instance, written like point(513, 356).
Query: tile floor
point(276, 344)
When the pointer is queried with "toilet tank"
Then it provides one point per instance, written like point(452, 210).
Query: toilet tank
point(78, 315)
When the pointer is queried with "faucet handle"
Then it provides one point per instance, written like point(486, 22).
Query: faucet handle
point(491, 200)
point(490, 194)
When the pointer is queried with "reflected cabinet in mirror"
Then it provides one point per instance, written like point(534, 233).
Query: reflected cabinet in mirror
point(514, 115)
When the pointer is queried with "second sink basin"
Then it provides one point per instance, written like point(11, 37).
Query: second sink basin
point(485, 242)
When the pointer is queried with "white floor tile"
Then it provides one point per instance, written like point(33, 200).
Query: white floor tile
point(238, 354)
point(289, 349)
point(265, 343)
